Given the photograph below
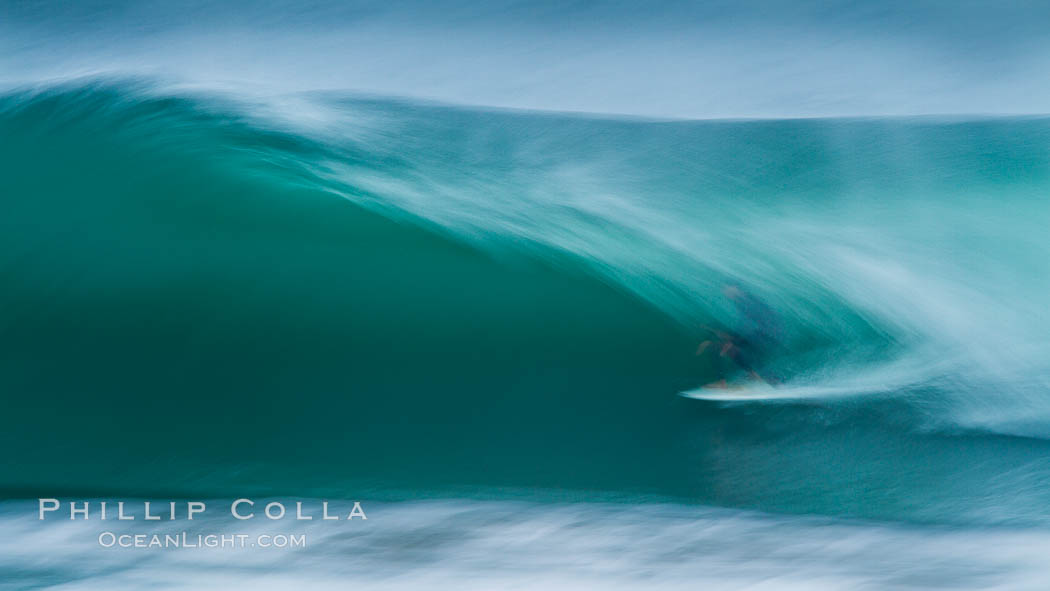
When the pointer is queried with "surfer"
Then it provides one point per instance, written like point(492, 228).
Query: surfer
point(756, 334)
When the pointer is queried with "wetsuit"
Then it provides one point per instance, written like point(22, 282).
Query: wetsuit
point(757, 333)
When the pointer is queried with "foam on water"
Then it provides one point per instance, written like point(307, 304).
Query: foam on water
point(511, 545)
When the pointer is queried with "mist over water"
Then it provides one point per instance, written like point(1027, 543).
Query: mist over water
point(661, 59)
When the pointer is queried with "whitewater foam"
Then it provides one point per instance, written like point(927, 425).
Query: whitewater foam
point(460, 544)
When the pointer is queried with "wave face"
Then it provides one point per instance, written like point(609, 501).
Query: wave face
point(322, 294)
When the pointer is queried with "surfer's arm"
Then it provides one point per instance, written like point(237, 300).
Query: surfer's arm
point(720, 336)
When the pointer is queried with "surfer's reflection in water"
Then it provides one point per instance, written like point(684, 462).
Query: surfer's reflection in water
point(749, 346)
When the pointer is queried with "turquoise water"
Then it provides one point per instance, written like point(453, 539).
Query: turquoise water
point(491, 313)
point(206, 296)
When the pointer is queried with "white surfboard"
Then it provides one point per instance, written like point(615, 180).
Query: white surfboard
point(757, 391)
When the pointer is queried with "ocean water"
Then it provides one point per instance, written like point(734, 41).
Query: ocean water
point(454, 263)
point(506, 544)
point(478, 321)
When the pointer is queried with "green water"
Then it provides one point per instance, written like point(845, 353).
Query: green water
point(419, 301)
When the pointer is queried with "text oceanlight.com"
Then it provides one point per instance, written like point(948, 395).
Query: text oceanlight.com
point(108, 539)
